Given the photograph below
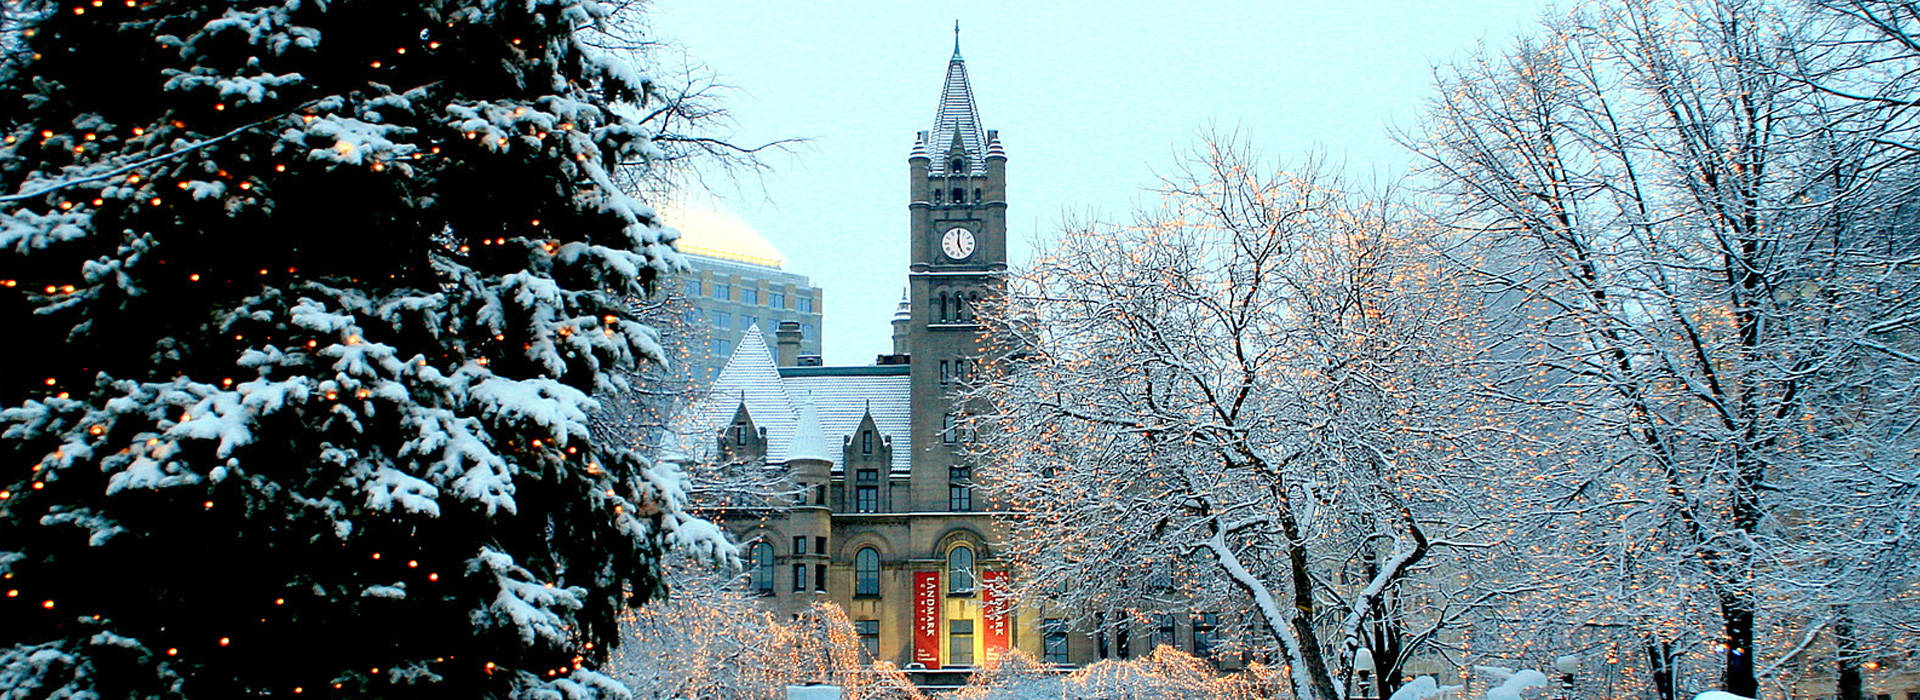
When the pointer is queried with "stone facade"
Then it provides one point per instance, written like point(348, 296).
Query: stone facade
point(887, 524)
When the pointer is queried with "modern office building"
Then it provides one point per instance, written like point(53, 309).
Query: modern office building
point(738, 282)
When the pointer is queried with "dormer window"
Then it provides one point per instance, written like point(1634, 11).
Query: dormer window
point(959, 164)
point(866, 442)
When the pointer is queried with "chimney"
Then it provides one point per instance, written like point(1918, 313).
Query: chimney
point(787, 342)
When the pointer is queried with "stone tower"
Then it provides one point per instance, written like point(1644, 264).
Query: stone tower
point(957, 242)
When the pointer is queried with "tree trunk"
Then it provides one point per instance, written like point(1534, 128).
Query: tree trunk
point(1660, 664)
point(1740, 679)
point(1846, 659)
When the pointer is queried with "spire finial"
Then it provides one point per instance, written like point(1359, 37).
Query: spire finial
point(956, 39)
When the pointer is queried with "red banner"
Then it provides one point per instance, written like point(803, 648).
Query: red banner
point(995, 611)
point(926, 618)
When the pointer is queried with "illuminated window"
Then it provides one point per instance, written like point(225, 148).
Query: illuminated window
point(960, 571)
point(866, 572)
point(960, 642)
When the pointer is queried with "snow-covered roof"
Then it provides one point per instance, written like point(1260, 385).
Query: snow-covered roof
point(841, 397)
point(844, 398)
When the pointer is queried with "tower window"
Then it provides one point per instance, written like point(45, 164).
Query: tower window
point(976, 195)
point(949, 429)
point(942, 310)
point(958, 165)
point(936, 196)
point(945, 372)
point(959, 195)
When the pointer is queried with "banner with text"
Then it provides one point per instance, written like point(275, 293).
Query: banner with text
point(926, 618)
point(995, 609)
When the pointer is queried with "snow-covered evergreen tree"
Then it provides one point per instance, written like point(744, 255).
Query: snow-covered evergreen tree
point(307, 303)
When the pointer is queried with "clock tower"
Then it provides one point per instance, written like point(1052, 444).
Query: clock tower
point(957, 238)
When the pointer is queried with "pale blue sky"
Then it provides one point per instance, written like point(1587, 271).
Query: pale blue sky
point(1091, 99)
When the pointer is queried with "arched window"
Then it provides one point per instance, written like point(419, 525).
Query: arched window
point(959, 308)
point(936, 195)
point(866, 572)
point(959, 196)
point(958, 165)
point(762, 558)
point(976, 195)
point(942, 315)
point(960, 571)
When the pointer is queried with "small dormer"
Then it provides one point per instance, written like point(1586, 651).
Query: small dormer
point(868, 464)
point(741, 440)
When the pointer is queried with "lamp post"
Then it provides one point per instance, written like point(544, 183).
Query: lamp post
point(1567, 666)
point(1363, 671)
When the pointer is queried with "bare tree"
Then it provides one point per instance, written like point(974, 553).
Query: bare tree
point(1232, 403)
point(1705, 295)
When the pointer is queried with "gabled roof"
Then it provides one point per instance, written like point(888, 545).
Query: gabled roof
point(740, 382)
point(841, 396)
point(957, 118)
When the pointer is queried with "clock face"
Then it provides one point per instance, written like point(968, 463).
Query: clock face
point(958, 243)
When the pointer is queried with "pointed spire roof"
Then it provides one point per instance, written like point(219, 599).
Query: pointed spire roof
point(957, 120)
point(903, 312)
point(809, 440)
